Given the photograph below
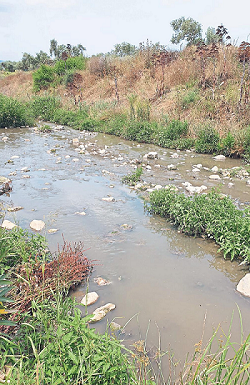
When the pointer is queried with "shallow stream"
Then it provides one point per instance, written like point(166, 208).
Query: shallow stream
point(160, 278)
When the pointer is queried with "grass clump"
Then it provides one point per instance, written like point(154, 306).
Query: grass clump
point(133, 178)
point(45, 107)
point(56, 346)
point(14, 113)
point(19, 246)
point(208, 141)
point(212, 215)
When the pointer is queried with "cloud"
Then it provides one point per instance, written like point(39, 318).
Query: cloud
point(52, 3)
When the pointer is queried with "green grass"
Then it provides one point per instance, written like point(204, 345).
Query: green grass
point(212, 215)
point(14, 113)
point(133, 178)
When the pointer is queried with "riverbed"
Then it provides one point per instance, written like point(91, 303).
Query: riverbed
point(161, 280)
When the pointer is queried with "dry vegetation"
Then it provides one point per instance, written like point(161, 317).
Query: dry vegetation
point(193, 85)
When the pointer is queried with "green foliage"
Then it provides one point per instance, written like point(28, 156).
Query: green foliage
point(18, 246)
point(207, 141)
point(139, 131)
point(4, 289)
point(45, 128)
point(76, 63)
point(211, 214)
point(43, 77)
point(60, 67)
point(211, 36)
point(227, 144)
point(13, 113)
point(132, 179)
point(186, 29)
point(246, 143)
point(189, 98)
point(174, 130)
point(124, 49)
point(56, 346)
point(45, 107)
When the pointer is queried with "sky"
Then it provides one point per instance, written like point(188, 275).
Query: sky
point(29, 25)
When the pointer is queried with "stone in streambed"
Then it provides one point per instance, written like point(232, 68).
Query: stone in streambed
point(243, 286)
point(37, 225)
point(8, 225)
point(89, 298)
point(16, 208)
point(101, 281)
point(109, 199)
point(101, 312)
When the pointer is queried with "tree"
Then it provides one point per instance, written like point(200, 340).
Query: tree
point(186, 29)
point(53, 50)
point(211, 36)
point(124, 49)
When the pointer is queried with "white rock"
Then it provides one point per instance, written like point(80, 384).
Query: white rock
point(199, 165)
point(114, 326)
point(37, 225)
point(230, 185)
point(151, 155)
point(214, 177)
point(109, 199)
point(90, 298)
point(101, 281)
point(194, 189)
point(158, 187)
point(3, 179)
point(15, 208)
point(196, 169)
point(219, 157)
point(102, 152)
point(80, 213)
point(15, 157)
point(215, 169)
point(148, 167)
point(75, 141)
point(243, 286)
point(8, 225)
point(67, 156)
point(13, 173)
point(100, 312)
point(25, 169)
point(25, 176)
point(52, 231)
point(172, 167)
point(174, 155)
point(75, 160)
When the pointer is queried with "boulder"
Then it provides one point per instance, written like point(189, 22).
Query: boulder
point(37, 225)
point(101, 312)
point(89, 298)
point(8, 225)
point(151, 155)
point(214, 177)
point(219, 157)
point(243, 286)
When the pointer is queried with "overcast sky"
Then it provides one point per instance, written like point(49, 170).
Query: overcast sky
point(29, 25)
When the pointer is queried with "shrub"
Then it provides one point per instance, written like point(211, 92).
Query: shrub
point(76, 63)
point(139, 131)
point(60, 67)
point(43, 77)
point(246, 144)
point(189, 98)
point(207, 141)
point(13, 113)
point(227, 144)
point(211, 214)
point(45, 107)
point(173, 131)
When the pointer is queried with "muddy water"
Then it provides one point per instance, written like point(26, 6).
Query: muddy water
point(159, 277)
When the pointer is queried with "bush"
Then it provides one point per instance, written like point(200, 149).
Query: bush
point(45, 107)
point(208, 141)
point(227, 144)
point(76, 63)
point(13, 113)
point(139, 131)
point(173, 131)
point(211, 214)
point(43, 77)
point(189, 98)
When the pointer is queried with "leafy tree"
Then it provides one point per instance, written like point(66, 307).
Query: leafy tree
point(188, 30)
point(211, 36)
point(124, 49)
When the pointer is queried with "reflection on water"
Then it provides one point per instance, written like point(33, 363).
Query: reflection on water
point(165, 277)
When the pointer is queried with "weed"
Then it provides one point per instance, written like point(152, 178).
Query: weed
point(13, 113)
point(45, 107)
point(207, 141)
point(211, 214)
point(45, 128)
point(43, 77)
point(132, 179)
point(189, 98)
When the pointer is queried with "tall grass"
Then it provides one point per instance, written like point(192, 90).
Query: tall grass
point(14, 113)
